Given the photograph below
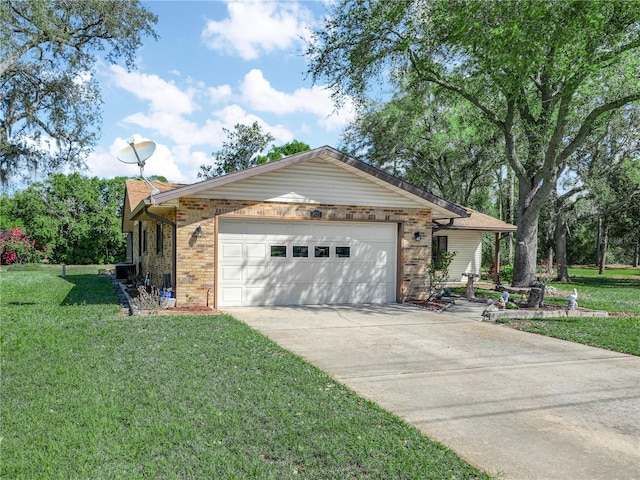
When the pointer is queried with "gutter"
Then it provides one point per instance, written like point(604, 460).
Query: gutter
point(173, 242)
point(441, 226)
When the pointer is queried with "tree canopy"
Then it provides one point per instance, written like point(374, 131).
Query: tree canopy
point(75, 218)
point(432, 143)
point(244, 148)
point(543, 73)
point(49, 100)
point(278, 152)
point(241, 150)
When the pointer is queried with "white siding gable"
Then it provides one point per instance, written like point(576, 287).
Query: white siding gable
point(314, 181)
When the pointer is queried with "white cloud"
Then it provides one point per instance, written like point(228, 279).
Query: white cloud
point(162, 95)
point(259, 94)
point(234, 114)
point(219, 94)
point(254, 27)
point(177, 128)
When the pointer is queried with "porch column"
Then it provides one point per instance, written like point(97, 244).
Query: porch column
point(496, 258)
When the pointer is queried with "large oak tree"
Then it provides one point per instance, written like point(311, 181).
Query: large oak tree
point(49, 100)
point(543, 72)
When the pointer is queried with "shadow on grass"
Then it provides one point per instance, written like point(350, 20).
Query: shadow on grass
point(89, 289)
point(606, 282)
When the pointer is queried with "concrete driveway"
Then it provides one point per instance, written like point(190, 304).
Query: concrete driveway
point(517, 405)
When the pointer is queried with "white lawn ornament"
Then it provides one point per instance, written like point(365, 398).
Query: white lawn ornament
point(572, 300)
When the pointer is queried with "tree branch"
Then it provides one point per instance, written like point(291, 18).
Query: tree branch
point(431, 76)
point(587, 124)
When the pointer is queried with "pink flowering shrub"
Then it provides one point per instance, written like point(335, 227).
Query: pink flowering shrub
point(16, 247)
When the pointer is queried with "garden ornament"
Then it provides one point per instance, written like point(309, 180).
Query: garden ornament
point(572, 300)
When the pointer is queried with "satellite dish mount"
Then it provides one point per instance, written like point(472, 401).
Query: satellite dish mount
point(138, 153)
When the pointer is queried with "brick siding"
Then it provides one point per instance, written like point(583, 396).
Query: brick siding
point(195, 271)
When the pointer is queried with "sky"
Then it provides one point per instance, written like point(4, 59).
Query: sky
point(215, 64)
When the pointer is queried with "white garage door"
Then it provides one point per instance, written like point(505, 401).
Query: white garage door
point(305, 263)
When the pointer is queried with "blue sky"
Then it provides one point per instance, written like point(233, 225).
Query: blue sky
point(215, 64)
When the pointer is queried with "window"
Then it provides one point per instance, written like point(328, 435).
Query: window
point(144, 240)
point(321, 252)
point(343, 252)
point(438, 246)
point(159, 239)
point(278, 250)
point(299, 251)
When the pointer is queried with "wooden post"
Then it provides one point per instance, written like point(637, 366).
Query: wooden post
point(496, 259)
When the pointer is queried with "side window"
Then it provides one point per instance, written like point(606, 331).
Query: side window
point(438, 246)
point(145, 242)
point(278, 250)
point(321, 252)
point(159, 239)
point(343, 252)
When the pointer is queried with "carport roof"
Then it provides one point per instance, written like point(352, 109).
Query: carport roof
point(481, 222)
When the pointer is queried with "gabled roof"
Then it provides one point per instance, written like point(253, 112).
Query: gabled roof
point(441, 207)
point(138, 193)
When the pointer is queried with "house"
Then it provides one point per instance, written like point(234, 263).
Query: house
point(318, 227)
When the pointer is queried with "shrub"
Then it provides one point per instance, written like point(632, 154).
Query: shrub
point(16, 247)
point(439, 274)
point(506, 273)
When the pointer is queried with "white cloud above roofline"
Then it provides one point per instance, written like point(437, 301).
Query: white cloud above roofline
point(254, 28)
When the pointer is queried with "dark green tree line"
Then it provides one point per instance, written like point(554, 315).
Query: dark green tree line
point(76, 219)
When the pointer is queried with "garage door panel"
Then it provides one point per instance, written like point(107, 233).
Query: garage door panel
point(367, 275)
point(232, 250)
point(254, 296)
point(256, 250)
point(252, 228)
point(231, 296)
point(232, 228)
point(231, 273)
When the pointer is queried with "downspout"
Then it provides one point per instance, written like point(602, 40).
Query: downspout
point(441, 226)
point(173, 242)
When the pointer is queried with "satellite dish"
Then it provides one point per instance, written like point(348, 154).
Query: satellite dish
point(138, 153)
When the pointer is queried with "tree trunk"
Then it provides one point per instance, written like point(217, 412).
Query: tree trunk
point(636, 253)
point(603, 249)
point(598, 235)
point(512, 211)
point(561, 246)
point(524, 268)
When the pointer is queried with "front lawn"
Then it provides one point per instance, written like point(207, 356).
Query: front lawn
point(89, 393)
point(616, 292)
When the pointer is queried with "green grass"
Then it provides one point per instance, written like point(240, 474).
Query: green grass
point(616, 292)
point(613, 333)
point(89, 393)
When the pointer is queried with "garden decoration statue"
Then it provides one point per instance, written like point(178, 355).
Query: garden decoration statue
point(572, 300)
point(504, 299)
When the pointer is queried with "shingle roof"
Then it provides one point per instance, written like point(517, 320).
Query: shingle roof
point(482, 222)
point(135, 192)
point(138, 190)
